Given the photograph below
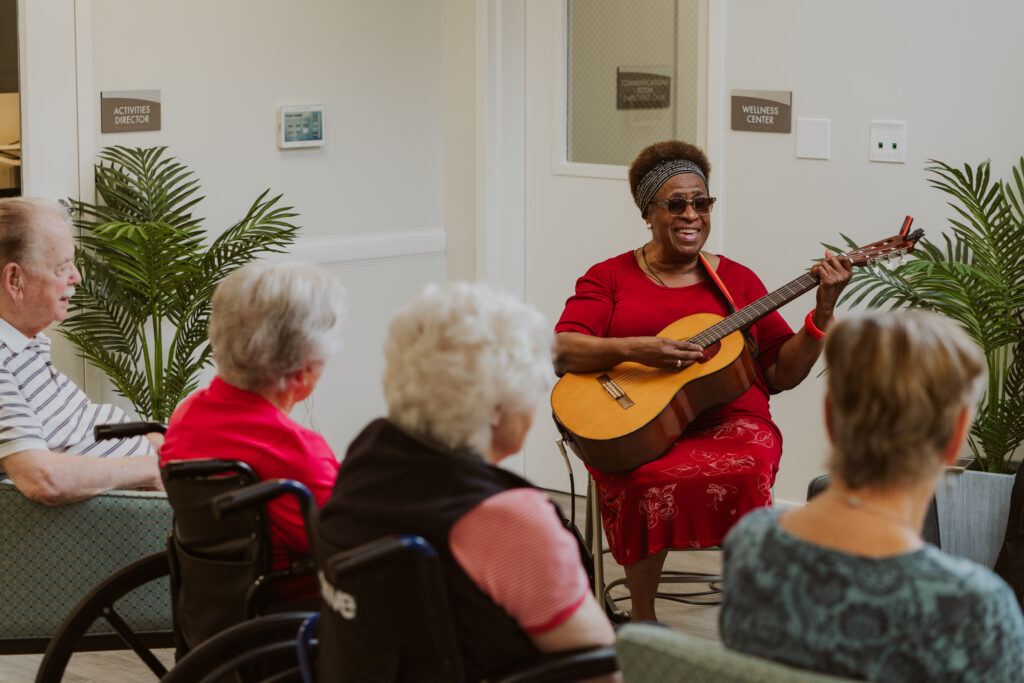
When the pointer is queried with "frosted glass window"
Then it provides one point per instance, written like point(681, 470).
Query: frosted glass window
point(632, 77)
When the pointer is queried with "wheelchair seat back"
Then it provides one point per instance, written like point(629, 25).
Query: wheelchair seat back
point(385, 614)
point(215, 563)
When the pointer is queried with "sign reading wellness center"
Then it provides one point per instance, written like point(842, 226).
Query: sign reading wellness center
point(762, 111)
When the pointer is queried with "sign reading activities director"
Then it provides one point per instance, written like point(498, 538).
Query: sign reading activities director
point(763, 111)
point(128, 111)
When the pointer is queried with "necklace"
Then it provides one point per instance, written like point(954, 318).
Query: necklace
point(858, 504)
point(643, 255)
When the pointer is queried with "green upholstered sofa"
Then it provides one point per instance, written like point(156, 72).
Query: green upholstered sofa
point(648, 652)
point(50, 557)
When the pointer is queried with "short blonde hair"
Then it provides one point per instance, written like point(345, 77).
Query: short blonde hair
point(896, 383)
point(458, 352)
point(268, 321)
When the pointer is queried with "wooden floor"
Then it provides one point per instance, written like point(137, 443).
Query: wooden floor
point(125, 667)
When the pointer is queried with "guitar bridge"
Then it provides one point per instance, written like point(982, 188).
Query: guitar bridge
point(615, 391)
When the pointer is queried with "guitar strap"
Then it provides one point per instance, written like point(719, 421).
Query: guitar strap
point(751, 342)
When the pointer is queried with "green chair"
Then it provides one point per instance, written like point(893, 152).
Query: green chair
point(648, 652)
point(53, 556)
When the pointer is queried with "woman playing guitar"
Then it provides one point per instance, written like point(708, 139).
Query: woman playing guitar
point(725, 462)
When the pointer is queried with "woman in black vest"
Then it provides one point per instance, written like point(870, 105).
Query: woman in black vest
point(465, 368)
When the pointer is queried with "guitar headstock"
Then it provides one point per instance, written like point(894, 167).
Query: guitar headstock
point(890, 248)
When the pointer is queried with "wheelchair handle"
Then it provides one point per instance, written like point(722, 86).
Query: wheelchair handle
point(262, 492)
point(123, 430)
point(205, 467)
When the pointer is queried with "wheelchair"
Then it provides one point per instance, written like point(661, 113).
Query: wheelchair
point(219, 571)
point(389, 596)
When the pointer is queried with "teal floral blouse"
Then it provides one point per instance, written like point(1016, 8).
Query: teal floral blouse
point(920, 616)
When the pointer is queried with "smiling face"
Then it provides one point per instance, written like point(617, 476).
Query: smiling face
point(679, 238)
point(48, 275)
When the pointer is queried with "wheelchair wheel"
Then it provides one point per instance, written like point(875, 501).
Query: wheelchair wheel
point(99, 604)
point(262, 649)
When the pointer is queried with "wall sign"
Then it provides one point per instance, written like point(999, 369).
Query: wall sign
point(128, 111)
point(763, 111)
point(643, 87)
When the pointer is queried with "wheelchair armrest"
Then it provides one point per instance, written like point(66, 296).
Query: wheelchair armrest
point(575, 665)
point(205, 467)
point(123, 430)
point(263, 492)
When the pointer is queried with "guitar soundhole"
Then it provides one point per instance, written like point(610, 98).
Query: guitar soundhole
point(710, 352)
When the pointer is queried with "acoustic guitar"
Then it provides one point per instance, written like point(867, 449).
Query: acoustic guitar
point(620, 418)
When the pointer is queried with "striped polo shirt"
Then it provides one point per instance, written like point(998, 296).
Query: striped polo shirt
point(40, 408)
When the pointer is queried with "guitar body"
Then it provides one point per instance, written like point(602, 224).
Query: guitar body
point(619, 419)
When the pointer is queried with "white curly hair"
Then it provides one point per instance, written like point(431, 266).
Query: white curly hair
point(459, 352)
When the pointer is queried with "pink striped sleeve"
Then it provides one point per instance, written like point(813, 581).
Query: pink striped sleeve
point(515, 550)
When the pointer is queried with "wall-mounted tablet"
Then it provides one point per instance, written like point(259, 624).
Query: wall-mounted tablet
point(301, 126)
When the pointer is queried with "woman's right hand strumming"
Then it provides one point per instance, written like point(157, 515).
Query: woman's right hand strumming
point(577, 352)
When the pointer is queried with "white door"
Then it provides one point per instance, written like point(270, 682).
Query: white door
point(52, 47)
point(577, 208)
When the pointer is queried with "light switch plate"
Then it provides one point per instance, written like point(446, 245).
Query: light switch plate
point(814, 138)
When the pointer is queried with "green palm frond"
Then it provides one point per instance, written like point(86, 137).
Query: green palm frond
point(976, 278)
point(142, 310)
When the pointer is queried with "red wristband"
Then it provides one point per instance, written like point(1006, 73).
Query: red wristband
point(811, 328)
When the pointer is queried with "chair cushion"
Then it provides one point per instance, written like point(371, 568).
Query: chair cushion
point(51, 557)
point(649, 652)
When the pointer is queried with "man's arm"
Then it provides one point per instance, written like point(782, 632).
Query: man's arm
point(57, 478)
point(156, 439)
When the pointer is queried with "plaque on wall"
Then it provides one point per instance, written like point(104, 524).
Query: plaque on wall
point(762, 111)
point(128, 111)
point(643, 87)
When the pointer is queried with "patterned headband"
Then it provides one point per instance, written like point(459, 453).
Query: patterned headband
point(656, 177)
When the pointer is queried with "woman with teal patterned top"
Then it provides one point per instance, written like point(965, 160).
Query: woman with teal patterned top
point(845, 585)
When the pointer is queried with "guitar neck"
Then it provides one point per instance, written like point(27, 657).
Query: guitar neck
point(750, 314)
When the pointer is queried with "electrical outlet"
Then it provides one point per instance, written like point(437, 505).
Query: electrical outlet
point(889, 141)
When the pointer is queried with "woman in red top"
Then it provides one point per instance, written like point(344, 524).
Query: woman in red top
point(273, 327)
point(725, 462)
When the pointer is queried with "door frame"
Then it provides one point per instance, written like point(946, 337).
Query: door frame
point(501, 98)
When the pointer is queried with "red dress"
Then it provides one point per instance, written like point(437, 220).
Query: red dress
point(725, 462)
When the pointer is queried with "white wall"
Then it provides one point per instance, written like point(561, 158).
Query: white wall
point(947, 68)
point(371, 201)
point(224, 67)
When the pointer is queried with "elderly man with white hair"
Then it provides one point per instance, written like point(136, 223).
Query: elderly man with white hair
point(46, 444)
point(465, 369)
point(272, 329)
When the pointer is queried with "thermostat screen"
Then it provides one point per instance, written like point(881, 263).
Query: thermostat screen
point(301, 126)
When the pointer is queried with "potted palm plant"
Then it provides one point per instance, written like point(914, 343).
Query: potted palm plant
point(149, 271)
point(977, 279)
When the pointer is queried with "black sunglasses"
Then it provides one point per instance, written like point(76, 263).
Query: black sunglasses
point(677, 205)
